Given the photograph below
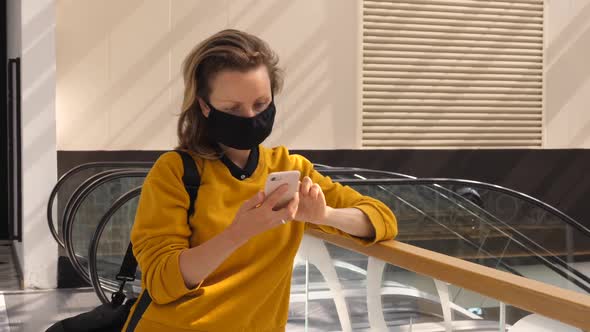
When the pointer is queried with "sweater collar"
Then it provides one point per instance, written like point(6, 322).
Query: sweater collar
point(247, 171)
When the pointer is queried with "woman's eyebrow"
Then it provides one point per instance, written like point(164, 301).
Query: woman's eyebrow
point(263, 98)
point(259, 99)
point(226, 100)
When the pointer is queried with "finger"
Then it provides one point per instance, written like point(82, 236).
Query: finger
point(321, 195)
point(305, 186)
point(289, 211)
point(293, 207)
point(315, 191)
point(275, 196)
point(253, 201)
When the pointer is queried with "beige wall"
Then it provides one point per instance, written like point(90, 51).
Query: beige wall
point(118, 68)
point(567, 106)
point(119, 86)
point(31, 28)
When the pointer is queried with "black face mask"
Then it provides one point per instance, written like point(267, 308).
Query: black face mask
point(238, 132)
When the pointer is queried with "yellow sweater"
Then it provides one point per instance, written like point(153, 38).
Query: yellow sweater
point(250, 290)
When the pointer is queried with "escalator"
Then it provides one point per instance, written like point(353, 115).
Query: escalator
point(482, 223)
point(501, 229)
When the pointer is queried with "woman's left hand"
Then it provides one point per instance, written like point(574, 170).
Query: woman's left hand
point(312, 203)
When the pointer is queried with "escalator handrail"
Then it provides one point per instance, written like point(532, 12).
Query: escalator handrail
point(511, 192)
point(93, 248)
point(68, 223)
point(80, 188)
point(551, 301)
point(64, 178)
point(553, 263)
point(432, 181)
point(364, 171)
point(340, 170)
point(528, 294)
point(123, 199)
point(130, 195)
point(96, 280)
point(557, 260)
point(456, 181)
point(114, 164)
point(453, 181)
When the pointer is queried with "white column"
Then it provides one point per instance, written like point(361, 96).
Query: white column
point(38, 251)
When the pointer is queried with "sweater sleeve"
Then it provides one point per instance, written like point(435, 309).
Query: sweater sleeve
point(338, 196)
point(160, 231)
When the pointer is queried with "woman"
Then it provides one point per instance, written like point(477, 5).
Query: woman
point(230, 268)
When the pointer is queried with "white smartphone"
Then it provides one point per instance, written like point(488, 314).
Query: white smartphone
point(277, 179)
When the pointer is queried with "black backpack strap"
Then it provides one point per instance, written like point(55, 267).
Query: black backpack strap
point(126, 273)
point(128, 267)
point(192, 181)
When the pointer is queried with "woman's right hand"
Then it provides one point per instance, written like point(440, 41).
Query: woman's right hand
point(256, 215)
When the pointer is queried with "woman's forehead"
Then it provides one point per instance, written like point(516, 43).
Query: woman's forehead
point(241, 86)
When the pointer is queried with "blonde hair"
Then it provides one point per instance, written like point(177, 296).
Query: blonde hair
point(226, 50)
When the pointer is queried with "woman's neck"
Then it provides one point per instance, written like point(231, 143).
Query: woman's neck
point(238, 157)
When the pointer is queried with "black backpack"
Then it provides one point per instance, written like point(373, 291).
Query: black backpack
point(111, 317)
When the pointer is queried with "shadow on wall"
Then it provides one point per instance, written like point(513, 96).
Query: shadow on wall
point(301, 64)
point(315, 78)
point(38, 140)
point(117, 89)
point(169, 111)
point(567, 70)
point(37, 99)
point(38, 77)
point(89, 15)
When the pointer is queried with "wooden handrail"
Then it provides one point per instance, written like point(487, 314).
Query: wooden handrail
point(557, 303)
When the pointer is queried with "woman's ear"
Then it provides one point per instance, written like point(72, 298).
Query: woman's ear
point(204, 108)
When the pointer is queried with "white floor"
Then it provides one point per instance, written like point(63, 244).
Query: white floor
point(32, 311)
point(35, 311)
point(3, 315)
